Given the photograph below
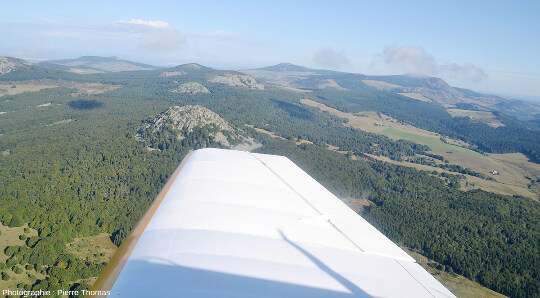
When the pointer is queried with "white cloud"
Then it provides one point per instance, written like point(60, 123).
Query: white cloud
point(410, 59)
point(154, 36)
point(468, 72)
point(330, 59)
point(416, 61)
point(155, 24)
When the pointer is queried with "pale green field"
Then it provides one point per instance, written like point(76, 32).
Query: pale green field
point(434, 143)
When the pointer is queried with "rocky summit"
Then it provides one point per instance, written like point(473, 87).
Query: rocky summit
point(8, 64)
point(179, 122)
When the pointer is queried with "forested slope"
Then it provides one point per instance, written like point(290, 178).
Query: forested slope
point(75, 179)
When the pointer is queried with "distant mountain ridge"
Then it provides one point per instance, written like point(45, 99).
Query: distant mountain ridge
point(425, 87)
point(192, 67)
point(290, 75)
point(96, 64)
point(293, 67)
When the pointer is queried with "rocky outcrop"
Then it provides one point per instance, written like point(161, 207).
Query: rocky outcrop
point(191, 88)
point(237, 80)
point(8, 64)
point(185, 122)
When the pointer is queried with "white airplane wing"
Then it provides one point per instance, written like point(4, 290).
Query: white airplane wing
point(238, 224)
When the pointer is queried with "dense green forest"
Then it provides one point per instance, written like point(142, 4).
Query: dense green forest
point(75, 169)
point(76, 179)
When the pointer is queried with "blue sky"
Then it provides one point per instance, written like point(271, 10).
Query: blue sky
point(488, 46)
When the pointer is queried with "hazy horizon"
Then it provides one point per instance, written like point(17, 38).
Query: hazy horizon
point(533, 99)
point(486, 47)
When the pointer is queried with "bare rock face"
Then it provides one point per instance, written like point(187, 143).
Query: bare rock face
point(191, 88)
point(8, 64)
point(188, 118)
point(186, 123)
point(172, 73)
point(237, 80)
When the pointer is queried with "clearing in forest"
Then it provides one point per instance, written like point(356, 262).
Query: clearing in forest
point(98, 248)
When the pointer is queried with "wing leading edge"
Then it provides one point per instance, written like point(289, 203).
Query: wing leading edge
point(238, 224)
